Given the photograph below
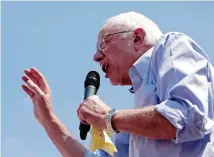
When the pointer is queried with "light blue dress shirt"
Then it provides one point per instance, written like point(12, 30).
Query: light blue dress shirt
point(177, 78)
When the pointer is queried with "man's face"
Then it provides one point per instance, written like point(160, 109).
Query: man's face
point(115, 56)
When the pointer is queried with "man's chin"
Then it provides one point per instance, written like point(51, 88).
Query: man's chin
point(120, 83)
point(114, 83)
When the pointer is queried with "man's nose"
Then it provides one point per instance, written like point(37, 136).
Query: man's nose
point(98, 57)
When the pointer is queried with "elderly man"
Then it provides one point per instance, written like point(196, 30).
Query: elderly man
point(173, 84)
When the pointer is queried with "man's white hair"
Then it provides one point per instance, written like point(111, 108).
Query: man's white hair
point(131, 21)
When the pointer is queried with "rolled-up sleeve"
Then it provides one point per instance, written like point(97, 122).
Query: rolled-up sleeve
point(98, 153)
point(180, 68)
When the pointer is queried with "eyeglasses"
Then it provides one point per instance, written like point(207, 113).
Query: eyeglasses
point(101, 43)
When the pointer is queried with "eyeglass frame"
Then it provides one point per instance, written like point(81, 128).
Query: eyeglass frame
point(99, 45)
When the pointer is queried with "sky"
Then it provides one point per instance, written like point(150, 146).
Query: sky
point(59, 38)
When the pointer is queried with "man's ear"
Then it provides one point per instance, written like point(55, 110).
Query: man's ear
point(139, 36)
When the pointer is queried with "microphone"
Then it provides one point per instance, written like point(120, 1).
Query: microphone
point(92, 84)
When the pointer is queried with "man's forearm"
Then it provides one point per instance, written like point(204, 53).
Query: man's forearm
point(62, 138)
point(144, 122)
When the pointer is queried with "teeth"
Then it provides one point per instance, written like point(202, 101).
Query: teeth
point(104, 67)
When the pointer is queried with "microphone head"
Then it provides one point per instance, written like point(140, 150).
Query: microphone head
point(92, 79)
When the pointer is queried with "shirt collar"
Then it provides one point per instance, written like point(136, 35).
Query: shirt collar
point(138, 70)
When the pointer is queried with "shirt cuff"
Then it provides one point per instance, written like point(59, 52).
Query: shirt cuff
point(184, 119)
point(98, 153)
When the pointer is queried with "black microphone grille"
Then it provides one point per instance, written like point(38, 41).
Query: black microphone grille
point(93, 79)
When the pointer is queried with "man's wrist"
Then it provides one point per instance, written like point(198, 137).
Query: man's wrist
point(108, 120)
point(113, 126)
point(47, 120)
point(113, 122)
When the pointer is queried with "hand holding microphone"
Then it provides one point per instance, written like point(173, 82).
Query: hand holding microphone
point(92, 84)
point(93, 109)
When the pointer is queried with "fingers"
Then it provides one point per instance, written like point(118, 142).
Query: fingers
point(41, 79)
point(81, 105)
point(28, 91)
point(25, 79)
point(82, 116)
point(78, 111)
point(84, 105)
point(33, 87)
point(31, 76)
point(84, 122)
point(36, 72)
point(36, 81)
point(84, 112)
point(88, 116)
